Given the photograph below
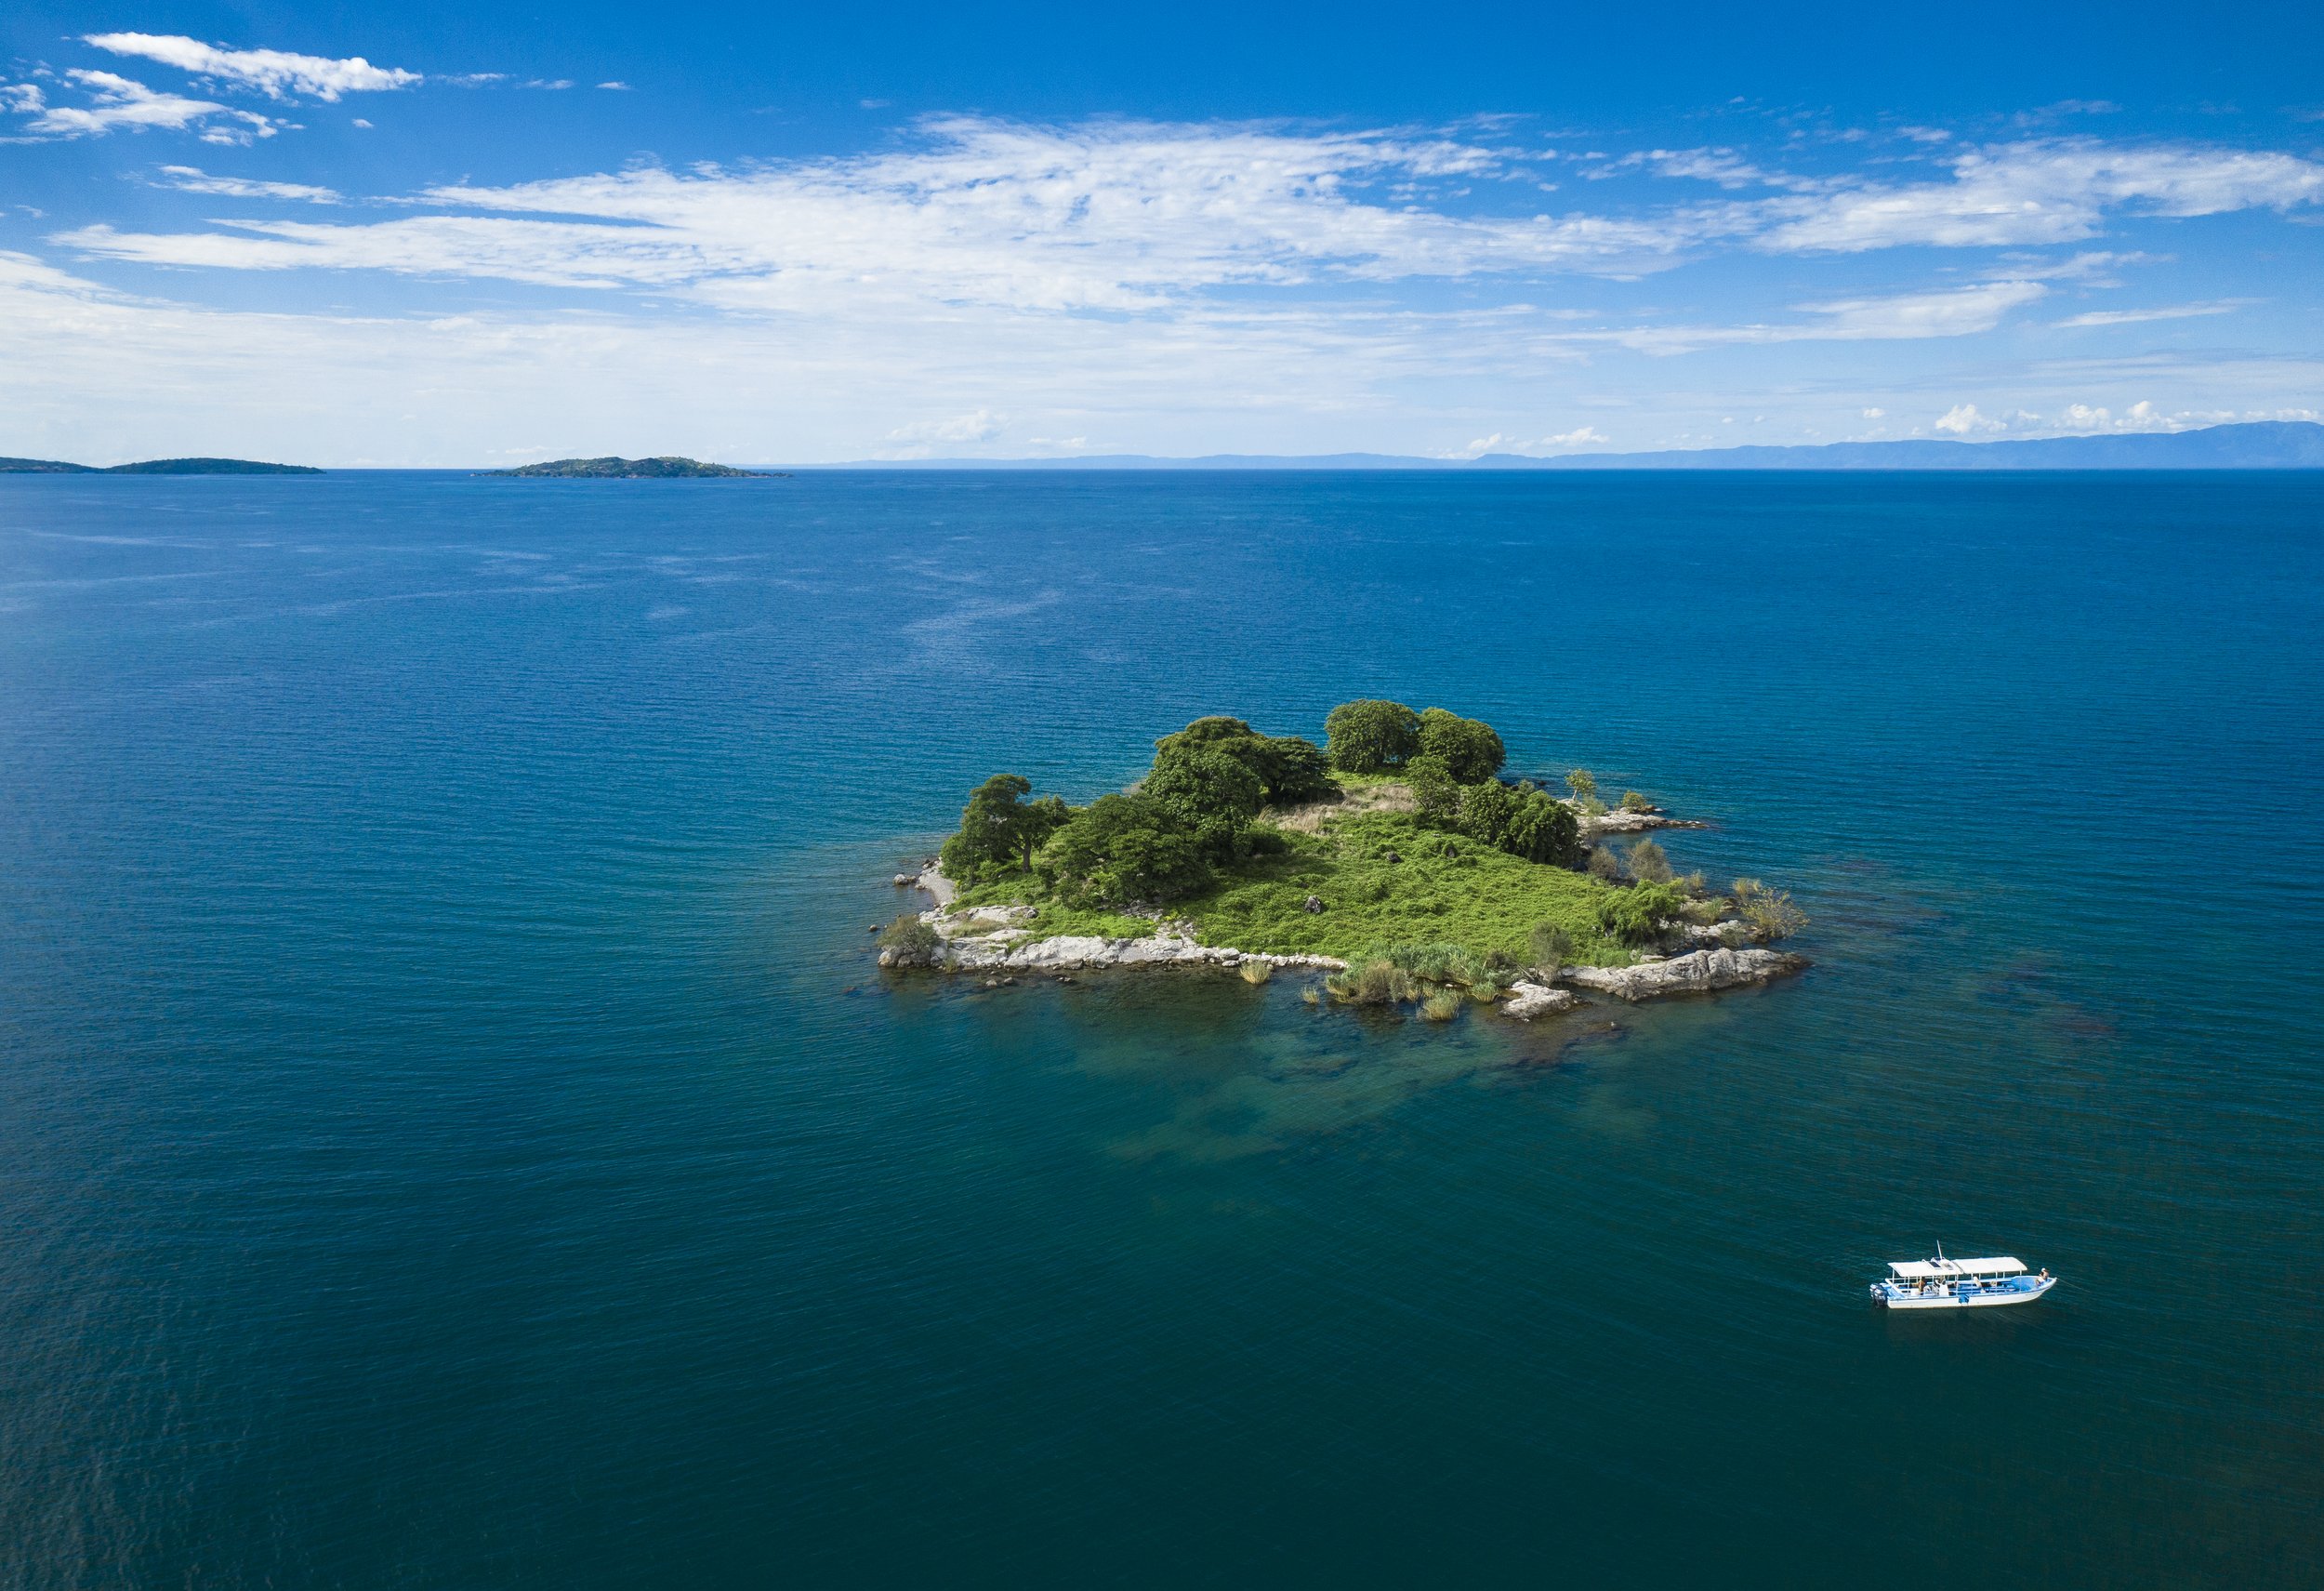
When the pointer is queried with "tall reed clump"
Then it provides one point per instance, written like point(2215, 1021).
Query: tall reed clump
point(1376, 982)
point(1441, 1006)
point(1256, 971)
point(1649, 864)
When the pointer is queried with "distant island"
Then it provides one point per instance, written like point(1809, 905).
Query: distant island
point(155, 467)
point(663, 469)
point(2259, 444)
point(1394, 858)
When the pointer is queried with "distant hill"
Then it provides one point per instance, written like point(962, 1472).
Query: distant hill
point(155, 466)
point(663, 469)
point(2259, 444)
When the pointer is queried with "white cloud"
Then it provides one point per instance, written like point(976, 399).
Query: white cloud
point(1952, 311)
point(1962, 419)
point(117, 102)
point(622, 87)
point(2165, 312)
point(1875, 413)
point(981, 426)
point(192, 179)
point(2044, 192)
point(277, 74)
point(1108, 217)
point(1499, 442)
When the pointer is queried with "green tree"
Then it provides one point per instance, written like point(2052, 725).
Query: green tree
point(1211, 794)
point(1584, 784)
point(1205, 732)
point(1122, 848)
point(1293, 769)
point(1366, 736)
point(1435, 795)
point(1000, 829)
point(1290, 770)
point(1467, 746)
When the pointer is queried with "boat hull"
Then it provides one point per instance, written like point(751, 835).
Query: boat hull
point(1970, 1298)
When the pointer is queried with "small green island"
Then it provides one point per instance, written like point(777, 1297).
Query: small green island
point(155, 467)
point(1394, 858)
point(668, 468)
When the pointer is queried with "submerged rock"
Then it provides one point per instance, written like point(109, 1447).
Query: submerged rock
point(1698, 972)
point(1527, 1000)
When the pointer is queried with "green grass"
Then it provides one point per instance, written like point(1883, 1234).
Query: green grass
point(1052, 919)
point(1478, 898)
point(1443, 890)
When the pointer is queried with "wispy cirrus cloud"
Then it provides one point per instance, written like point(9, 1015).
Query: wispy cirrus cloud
point(277, 74)
point(192, 180)
point(1123, 216)
point(2159, 312)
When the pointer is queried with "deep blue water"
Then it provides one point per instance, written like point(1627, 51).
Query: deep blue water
point(451, 1133)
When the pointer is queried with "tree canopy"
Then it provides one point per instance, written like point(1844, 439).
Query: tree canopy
point(1123, 848)
point(1000, 829)
point(1369, 737)
point(1469, 746)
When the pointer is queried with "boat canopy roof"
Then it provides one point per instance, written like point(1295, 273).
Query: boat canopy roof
point(1928, 1270)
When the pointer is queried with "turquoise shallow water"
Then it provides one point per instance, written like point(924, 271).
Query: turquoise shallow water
point(454, 1136)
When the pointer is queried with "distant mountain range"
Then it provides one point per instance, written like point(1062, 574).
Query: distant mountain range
point(2259, 444)
point(155, 467)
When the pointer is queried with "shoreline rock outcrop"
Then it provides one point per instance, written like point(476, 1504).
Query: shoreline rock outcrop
point(1697, 971)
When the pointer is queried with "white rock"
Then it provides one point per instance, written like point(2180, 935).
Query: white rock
point(1527, 1000)
point(1697, 971)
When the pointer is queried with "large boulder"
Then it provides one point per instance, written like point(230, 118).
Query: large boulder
point(1527, 1000)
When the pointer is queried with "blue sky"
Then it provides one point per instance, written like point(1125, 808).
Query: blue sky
point(431, 234)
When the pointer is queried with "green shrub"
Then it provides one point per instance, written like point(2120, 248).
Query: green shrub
point(1366, 736)
point(1551, 946)
point(909, 942)
point(1435, 794)
point(1603, 865)
point(1633, 801)
point(1122, 848)
point(1541, 830)
point(1649, 864)
point(1770, 912)
point(1256, 971)
point(1636, 915)
point(1468, 746)
point(1486, 811)
point(1441, 1006)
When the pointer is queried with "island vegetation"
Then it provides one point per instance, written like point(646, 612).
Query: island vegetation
point(665, 468)
point(155, 467)
point(1396, 854)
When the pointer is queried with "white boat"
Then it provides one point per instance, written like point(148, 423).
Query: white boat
point(1941, 1283)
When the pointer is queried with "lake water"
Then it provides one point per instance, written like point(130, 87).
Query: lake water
point(452, 1133)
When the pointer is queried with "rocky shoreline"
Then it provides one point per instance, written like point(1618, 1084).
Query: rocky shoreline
point(995, 940)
